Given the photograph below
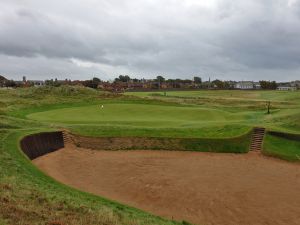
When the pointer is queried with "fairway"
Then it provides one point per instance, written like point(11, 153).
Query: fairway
point(139, 115)
point(225, 94)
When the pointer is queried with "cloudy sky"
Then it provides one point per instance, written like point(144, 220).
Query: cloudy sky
point(79, 39)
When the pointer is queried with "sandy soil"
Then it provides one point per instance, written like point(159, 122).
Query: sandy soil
point(202, 188)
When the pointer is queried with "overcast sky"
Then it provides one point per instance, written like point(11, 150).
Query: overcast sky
point(79, 39)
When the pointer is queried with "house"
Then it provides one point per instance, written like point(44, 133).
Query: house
point(286, 88)
point(135, 85)
point(244, 85)
point(296, 84)
point(257, 85)
point(37, 83)
point(3, 81)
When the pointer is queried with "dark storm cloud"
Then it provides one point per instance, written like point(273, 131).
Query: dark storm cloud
point(228, 39)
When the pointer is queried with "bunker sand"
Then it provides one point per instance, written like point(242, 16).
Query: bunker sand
point(202, 188)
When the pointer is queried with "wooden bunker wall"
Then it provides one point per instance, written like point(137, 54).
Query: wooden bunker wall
point(293, 137)
point(36, 145)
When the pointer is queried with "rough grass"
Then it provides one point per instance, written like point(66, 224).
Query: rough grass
point(27, 196)
point(281, 147)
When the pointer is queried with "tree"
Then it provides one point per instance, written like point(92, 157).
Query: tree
point(49, 82)
point(96, 80)
point(92, 83)
point(268, 84)
point(197, 80)
point(273, 85)
point(123, 78)
point(159, 80)
point(10, 83)
point(226, 85)
point(218, 83)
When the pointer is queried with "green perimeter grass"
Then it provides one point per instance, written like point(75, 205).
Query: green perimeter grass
point(221, 145)
point(239, 144)
point(144, 115)
point(281, 147)
point(217, 131)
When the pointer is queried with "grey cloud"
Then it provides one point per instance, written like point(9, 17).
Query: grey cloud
point(269, 42)
point(229, 38)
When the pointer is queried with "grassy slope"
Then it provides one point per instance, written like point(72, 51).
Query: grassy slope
point(128, 119)
point(225, 94)
point(27, 196)
point(285, 114)
point(223, 145)
point(282, 148)
point(285, 105)
point(238, 144)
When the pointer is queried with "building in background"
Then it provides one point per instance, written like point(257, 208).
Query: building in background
point(286, 87)
point(244, 85)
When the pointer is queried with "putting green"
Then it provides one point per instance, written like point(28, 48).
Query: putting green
point(138, 115)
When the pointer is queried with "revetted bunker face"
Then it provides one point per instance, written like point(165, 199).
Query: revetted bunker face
point(36, 145)
point(293, 137)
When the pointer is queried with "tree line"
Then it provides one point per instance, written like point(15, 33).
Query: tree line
point(94, 82)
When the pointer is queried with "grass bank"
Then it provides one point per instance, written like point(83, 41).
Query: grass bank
point(282, 145)
point(239, 144)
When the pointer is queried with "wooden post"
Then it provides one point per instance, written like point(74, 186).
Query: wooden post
point(268, 106)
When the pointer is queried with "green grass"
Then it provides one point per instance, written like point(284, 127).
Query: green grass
point(28, 196)
point(217, 131)
point(143, 115)
point(222, 145)
point(239, 144)
point(285, 105)
point(225, 94)
point(209, 120)
point(281, 147)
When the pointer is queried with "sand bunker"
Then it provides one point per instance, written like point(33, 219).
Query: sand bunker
point(202, 188)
